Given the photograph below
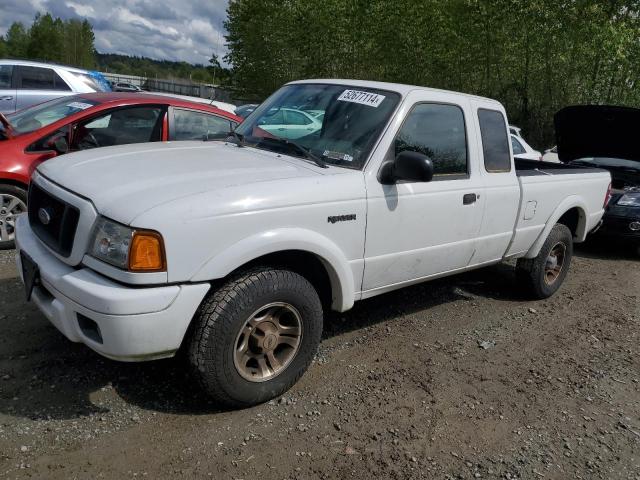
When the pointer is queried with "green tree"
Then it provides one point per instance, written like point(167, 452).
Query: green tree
point(16, 41)
point(535, 56)
point(79, 40)
point(46, 39)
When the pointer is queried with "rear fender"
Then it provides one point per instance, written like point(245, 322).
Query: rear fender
point(567, 204)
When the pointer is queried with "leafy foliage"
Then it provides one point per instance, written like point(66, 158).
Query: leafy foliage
point(535, 56)
point(51, 39)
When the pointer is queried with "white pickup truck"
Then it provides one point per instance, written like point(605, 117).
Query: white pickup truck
point(232, 250)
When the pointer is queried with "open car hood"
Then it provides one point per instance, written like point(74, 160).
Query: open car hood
point(597, 131)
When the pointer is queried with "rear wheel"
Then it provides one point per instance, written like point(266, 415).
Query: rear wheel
point(543, 275)
point(255, 336)
point(13, 202)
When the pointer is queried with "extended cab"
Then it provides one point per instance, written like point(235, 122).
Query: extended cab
point(234, 249)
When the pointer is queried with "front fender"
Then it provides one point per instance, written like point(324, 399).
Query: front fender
point(567, 204)
point(273, 241)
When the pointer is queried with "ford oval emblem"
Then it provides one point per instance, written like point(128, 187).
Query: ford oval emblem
point(44, 216)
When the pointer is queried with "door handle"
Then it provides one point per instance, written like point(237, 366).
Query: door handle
point(6, 98)
point(469, 198)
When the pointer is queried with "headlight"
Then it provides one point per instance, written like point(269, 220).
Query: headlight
point(127, 248)
point(630, 200)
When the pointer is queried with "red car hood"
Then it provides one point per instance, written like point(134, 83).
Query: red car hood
point(597, 131)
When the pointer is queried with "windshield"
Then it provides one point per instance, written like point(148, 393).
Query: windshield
point(336, 123)
point(43, 114)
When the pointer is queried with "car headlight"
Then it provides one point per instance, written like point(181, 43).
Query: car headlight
point(630, 200)
point(127, 248)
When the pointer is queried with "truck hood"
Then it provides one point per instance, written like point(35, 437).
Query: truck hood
point(125, 181)
point(597, 131)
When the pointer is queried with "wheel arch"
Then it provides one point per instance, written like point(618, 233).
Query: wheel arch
point(571, 213)
point(14, 182)
point(308, 253)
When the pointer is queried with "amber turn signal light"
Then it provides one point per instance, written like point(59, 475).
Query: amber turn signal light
point(146, 253)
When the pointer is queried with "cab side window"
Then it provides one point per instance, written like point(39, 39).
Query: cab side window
point(119, 127)
point(438, 131)
point(495, 144)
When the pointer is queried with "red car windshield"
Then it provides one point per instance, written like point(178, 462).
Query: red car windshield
point(41, 115)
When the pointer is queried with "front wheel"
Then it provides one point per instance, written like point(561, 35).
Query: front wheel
point(254, 337)
point(13, 202)
point(543, 275)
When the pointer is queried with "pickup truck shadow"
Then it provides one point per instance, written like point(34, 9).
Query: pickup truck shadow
point(608, 248)
point(44, 376)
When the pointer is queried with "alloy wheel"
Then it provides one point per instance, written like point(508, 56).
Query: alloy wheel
point(268, 342)
point(10, 207)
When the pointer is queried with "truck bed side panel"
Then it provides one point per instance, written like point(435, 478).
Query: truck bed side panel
point(546, 197)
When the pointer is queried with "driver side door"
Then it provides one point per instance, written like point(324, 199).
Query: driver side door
point(416, 230)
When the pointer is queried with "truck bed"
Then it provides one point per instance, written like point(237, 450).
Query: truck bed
point(544, 186)
point(528, 168)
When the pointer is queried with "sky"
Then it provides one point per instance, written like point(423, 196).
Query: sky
point(184, 30)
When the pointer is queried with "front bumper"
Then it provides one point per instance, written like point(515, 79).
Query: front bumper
point(118, 321)
point(620, 226)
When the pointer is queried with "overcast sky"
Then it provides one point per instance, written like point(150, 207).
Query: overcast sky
point(188, 30)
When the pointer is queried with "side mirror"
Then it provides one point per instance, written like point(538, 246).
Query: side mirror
point(59, 144)
point(409, 166)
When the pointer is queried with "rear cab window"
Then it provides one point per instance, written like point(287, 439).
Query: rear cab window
point(495, 143)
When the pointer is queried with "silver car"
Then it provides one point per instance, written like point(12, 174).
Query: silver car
point(24, 83)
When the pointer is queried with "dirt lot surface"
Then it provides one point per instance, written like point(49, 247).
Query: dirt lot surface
point(458, 378)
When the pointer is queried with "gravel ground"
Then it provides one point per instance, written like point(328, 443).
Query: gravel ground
point(457, 378)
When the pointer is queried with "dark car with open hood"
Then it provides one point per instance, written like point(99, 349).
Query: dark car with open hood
point(606, 137)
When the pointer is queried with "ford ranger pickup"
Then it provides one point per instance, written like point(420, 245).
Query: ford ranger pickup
point(232, 250)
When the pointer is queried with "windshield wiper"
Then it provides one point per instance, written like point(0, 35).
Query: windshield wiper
point(304, 150)
point(237, 139)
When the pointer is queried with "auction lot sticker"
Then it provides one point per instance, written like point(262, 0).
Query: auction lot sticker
point(364, 98)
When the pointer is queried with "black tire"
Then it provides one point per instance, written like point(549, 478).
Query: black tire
point(11, 191)
point(532, 273)
point(222, 315)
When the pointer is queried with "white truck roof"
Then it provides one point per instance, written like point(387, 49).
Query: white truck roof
point(395, 87)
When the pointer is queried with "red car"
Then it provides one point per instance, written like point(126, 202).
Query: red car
point(92, 120)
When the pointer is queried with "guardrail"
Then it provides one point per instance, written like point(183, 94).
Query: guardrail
point(179, 87)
